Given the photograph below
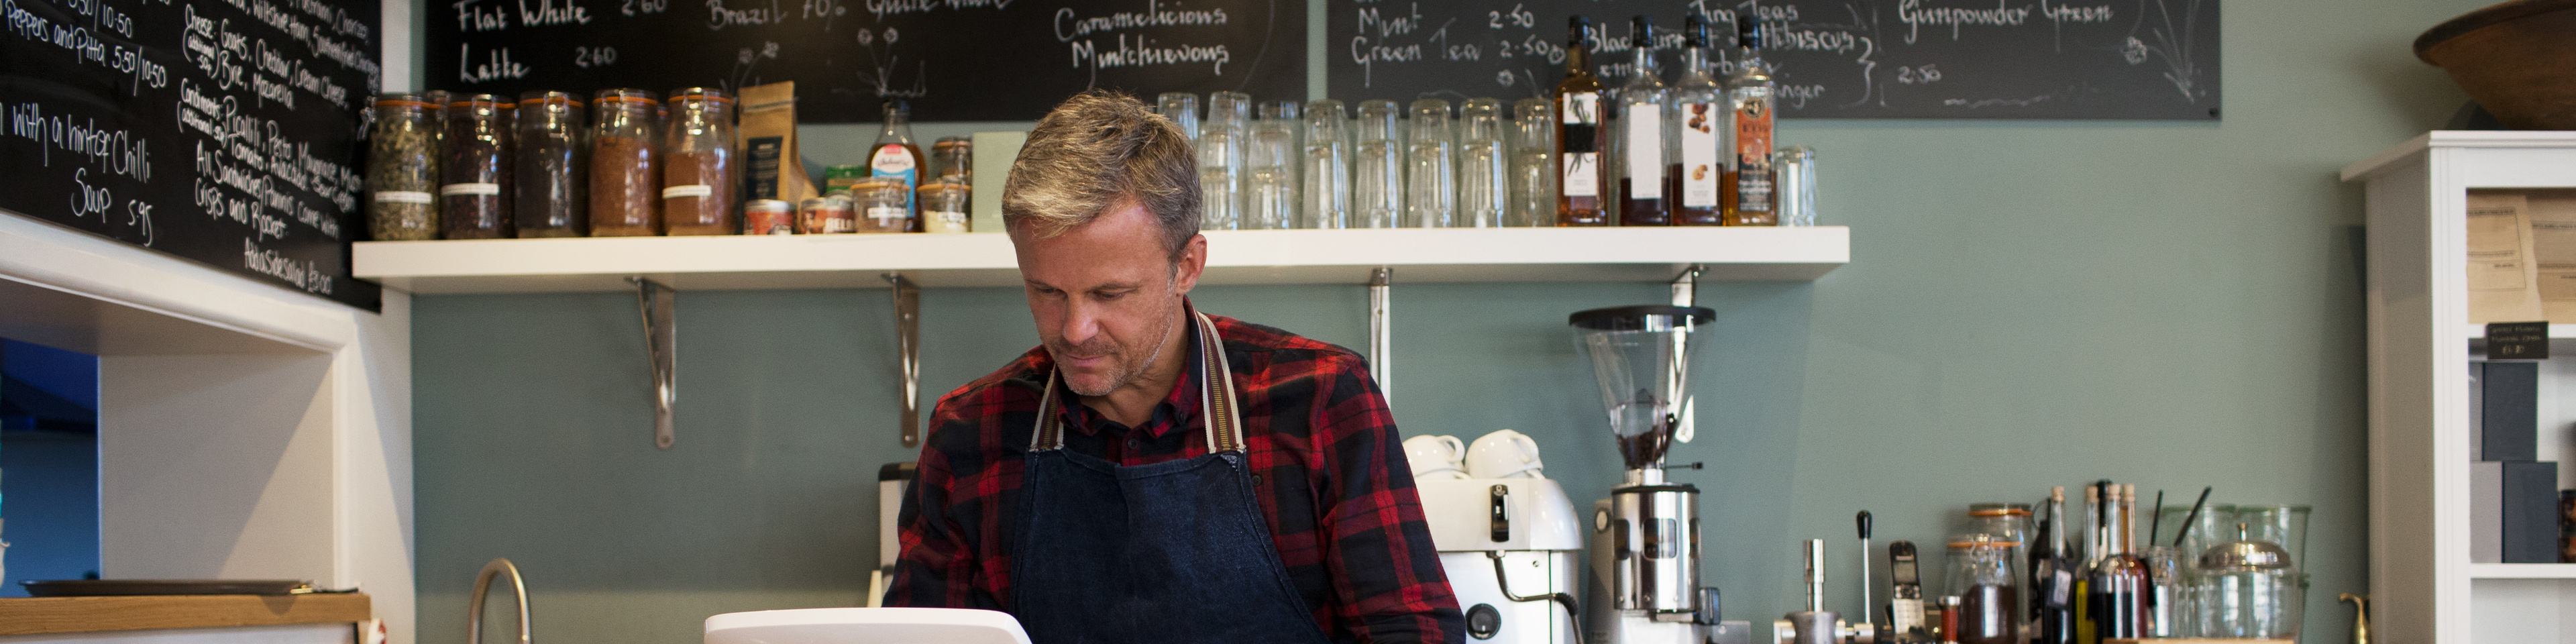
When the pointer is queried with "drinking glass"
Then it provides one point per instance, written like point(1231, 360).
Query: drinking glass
point(1377, 175)
point(1431, 174)
point(1183, 109)
point(1484, 173)
point(1271, 162)
point(1793, 174)
point(1221, 144)
point(1328, 166)
point(1533, 170)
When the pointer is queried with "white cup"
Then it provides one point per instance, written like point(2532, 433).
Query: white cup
point(1435, 457)
point(1504, 454)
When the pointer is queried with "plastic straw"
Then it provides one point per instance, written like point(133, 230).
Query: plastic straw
point(2189, 519)
point(2156, 517)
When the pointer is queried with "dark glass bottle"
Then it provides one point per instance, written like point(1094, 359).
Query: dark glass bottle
point(1581, 173)
point(2120, 583)
point(2052, 577)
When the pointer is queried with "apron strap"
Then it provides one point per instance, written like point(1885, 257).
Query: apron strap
point(1216, 399)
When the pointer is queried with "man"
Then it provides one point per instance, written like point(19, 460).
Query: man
point(1150, 474)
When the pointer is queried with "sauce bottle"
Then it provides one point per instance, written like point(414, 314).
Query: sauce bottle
point(896, 156)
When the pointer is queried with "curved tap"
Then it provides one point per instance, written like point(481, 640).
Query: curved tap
point(483, 586)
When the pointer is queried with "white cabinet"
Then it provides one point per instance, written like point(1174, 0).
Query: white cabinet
point(2424, 586)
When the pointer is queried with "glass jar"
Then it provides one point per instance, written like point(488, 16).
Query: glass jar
point(1534, 163)
point(955, 158)
point(1183, 109)
point(2248, 588)
point(883, 205)
point(2169, 608)
point(1986, 577)
point(1328, 167)
point(553, 195)
point(402, 169)
point(2008, 522)
point(1431, 171)
point(1377, 166)
point(944, 207)
point(474, 189)
point(768, 217)
point(1793, 172)
point(625, 164)
point(699, 179)
point(826, 215)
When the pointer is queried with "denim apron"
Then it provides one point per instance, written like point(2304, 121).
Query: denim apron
point(1170, 553)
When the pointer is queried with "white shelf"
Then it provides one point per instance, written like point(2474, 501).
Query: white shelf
point(2478, 332)
point(2522, 571)
point(986, 259)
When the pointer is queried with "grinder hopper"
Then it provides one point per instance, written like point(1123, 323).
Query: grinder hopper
point(1641, 357)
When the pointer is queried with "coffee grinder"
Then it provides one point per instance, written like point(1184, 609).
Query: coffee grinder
point(1645, 547)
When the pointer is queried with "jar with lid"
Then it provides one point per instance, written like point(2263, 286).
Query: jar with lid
point(955, 158)
point(475, 188)
point(553, 194)
point(1986, 577)
point(625, 164)
point(884, 205)
point(698, 174)
point(944, 207)
point(2248, 588)
point(402, 169)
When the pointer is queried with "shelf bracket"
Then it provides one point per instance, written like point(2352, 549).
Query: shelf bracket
point(1381, 332)
point(1686, 286)
point(1686, 293)
point(907, 325)
point(661, 341)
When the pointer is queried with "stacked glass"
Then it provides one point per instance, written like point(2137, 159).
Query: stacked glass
point(1327, 171)
point(1484, 173)
point(1533, 163)
point(1183, 109)
point(1377, 174)
point(1221, 146)
point(1271, 163)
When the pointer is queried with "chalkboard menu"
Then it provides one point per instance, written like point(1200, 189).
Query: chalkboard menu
point(2085, 59)
point(222, 131)
point(955, 60)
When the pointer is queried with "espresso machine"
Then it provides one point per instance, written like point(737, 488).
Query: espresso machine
point(1645, 541)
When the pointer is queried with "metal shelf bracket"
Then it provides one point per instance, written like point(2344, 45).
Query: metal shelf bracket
point(907, 324)
point(1381, 332)
point(661, 341)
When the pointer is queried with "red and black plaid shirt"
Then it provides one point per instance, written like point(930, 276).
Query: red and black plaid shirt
point(1323, 450)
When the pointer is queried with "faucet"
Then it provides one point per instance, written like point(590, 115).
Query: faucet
point(483, 586)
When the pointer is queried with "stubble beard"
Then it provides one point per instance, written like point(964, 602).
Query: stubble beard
point(1124, 373)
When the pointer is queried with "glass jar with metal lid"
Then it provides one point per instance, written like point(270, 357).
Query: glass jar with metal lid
point(402, 169)
point(475, 187)
point(553, 193)
point(625, 164)
point(2248, 588)
point(699, 180)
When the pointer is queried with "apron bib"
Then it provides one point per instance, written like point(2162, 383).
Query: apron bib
point(1170, 553)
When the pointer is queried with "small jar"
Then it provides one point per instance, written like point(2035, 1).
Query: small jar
point(945, 207)
point(827, 215)
point(402, 169)
point(2008, 522)
point(2248, 588)
point(553, 194)
point(699, 179)
point(883, 205)
point(1986, 579)
point(625, 164)
point(475, 193)
point(955, 158)
point(768, 217)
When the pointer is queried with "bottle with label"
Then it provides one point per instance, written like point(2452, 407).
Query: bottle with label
point(2121, 582)
point(1698, 111)
point(475, 192)
point(1640, 122)
point(1580, 171)
point(2053, 574)
point(700, 179)
point(896, 156)
point(1745, 197)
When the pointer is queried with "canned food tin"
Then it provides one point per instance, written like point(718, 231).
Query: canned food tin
point(826, 215)
point(768, 217)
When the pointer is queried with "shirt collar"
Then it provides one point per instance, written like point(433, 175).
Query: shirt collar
point(1179, 409)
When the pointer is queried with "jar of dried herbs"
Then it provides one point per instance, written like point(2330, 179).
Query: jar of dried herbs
point(625, 164)
point(402, 169)
point(475, 196)
point(553, 193)
point(699, 180)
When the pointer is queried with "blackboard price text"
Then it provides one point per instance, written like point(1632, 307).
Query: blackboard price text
point(588, 57)
point(644, 7)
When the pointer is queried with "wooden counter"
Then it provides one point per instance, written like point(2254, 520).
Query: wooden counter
point(38, 615)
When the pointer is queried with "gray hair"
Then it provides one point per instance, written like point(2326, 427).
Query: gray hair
point(1098, 150)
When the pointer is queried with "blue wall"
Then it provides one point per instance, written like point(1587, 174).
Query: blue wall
point(48, 479)
point(2029, 304)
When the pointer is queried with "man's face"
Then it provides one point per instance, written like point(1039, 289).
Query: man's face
point(1106, 296)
